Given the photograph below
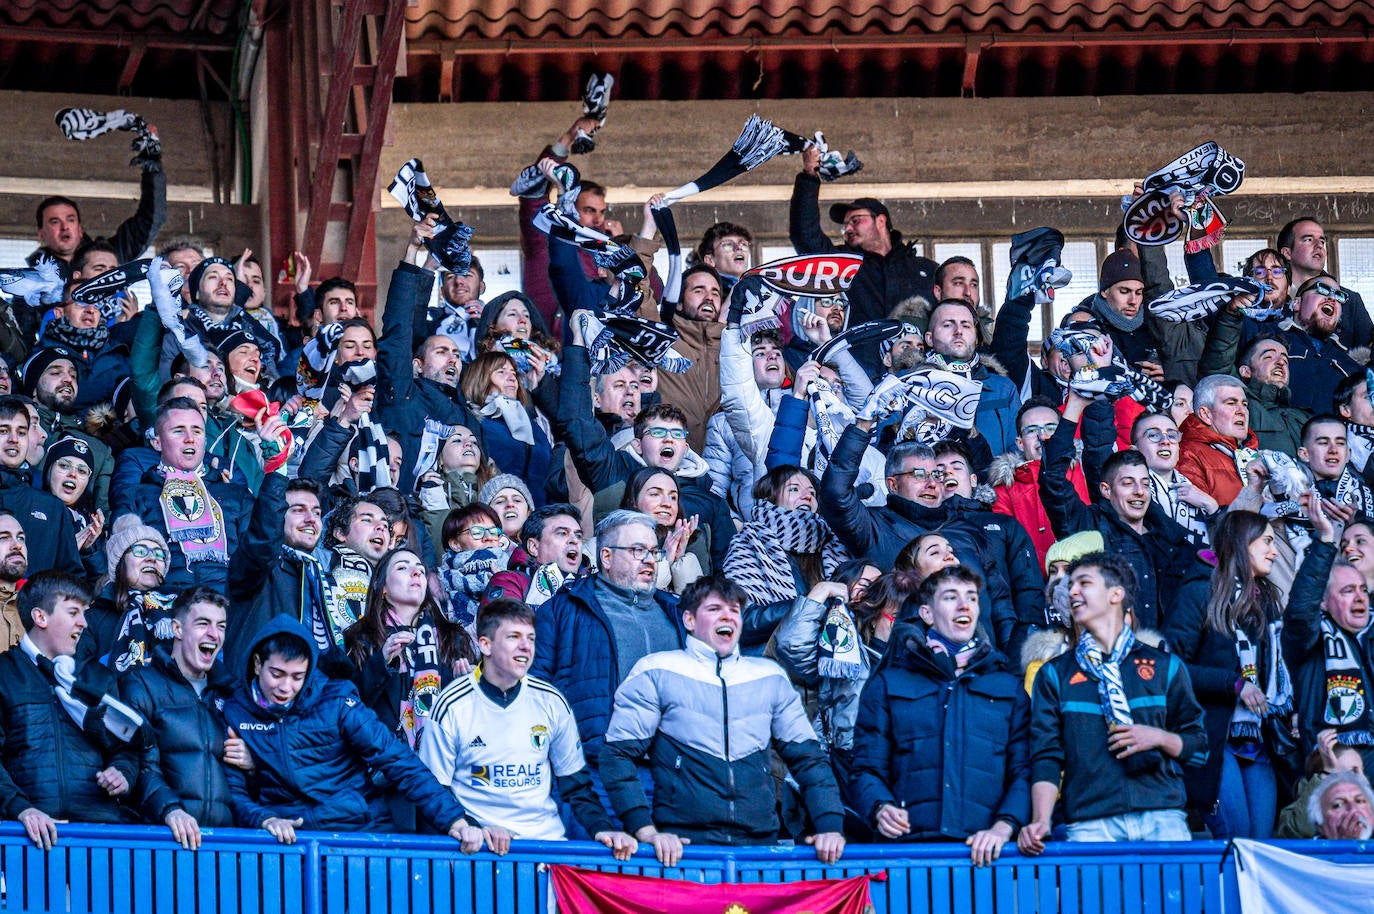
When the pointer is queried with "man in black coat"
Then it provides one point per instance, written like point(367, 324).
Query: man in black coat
point(892, 271)
point(420, 384)
point(942, 742)
point(181, 783)
point(64, 750)
point(1132, 525)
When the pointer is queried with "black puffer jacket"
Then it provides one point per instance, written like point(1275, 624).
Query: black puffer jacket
point(46, 760)
point(181, 769)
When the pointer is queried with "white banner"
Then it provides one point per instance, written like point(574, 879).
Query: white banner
point(1274, 881)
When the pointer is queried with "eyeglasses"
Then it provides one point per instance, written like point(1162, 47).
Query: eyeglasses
point(1326, 290)
point(1261, 272)
point(1155, 436)
point(921, 474)
point(141, 551)
point(640, 553)
point(677, 434)
point(1041, 430)
point(736, 246)
point(478, 532)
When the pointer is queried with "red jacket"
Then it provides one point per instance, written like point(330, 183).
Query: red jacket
point(1020, 499)
point(1208, 459)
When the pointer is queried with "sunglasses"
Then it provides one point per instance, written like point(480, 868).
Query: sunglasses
point(478, 532)
point(1326, 290)
point(677, 434)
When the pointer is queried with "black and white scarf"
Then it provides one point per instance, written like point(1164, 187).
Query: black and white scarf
point(465, 576)
point(757, 142)
point(320, 606)
point(1347, 695)
point(419, 661)
point(613, 340)
point(839, 651)
point(352, 576)
point(86, 340)
point(412, 190)
point(1361, 439)
point(831, 416)
point(1278, 688)
point(432, 440)
point(757, 559)
point(1106, 670)
point(1164, 494)
point(88, 709)
point(146, 623)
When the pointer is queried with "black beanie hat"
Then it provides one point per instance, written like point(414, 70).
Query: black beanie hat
point(1119, 266)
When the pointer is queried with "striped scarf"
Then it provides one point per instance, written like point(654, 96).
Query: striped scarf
point(1111, 692)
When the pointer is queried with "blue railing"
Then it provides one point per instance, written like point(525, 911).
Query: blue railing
point(137, 870)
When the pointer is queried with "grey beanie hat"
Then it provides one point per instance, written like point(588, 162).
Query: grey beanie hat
point(505, 481)
point(129, 529)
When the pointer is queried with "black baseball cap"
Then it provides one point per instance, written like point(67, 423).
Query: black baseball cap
point(839, 210)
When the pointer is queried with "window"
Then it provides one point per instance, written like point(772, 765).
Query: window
point(1234, 252)
point(973, 251)
point(1356, 265)
point(500, 271)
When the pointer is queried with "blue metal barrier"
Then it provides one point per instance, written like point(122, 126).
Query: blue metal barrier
point(139, 870)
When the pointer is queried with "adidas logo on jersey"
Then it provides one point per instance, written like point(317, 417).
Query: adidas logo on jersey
point(477, 743)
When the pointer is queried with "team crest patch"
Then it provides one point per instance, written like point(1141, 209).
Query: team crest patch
point(1145, 668)
point(539, 736)
point(1344, 700)
point(184, 501)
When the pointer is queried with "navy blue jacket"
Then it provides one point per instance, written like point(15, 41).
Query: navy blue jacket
point(181, 767)
point(954, 751)
point(314, 760)
point(576, 654)
point(404, 401)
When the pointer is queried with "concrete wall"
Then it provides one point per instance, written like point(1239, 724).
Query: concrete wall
point(37, 160)
point(473, 150)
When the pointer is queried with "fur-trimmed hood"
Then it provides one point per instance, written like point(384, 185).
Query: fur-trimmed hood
point(916, 310)
point(1047, 643)
point(1002, 472)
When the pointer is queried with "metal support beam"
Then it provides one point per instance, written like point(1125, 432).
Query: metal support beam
point(126, 76)
point(73, 37)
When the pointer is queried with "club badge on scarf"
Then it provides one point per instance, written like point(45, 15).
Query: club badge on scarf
point(1191, 303)
point(420, 659)
point(758, 142)
point(147, 621)
point(193, 518)
point(1199, 175)
point(839, 654)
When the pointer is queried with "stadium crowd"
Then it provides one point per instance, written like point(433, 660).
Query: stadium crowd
point(686, 558)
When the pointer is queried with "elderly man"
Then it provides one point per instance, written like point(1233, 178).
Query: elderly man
point(1217, 441)
point(1342, 808)
point(1326, 642)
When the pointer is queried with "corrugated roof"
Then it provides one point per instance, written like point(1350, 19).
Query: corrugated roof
point(211, 17)
point(504, 19)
